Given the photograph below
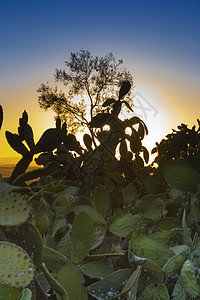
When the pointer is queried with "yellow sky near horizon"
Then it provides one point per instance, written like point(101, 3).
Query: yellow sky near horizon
point(170, 98)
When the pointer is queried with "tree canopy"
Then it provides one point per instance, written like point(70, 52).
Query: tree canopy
point(89, 80)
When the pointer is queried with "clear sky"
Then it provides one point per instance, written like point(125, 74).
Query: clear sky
point(159, 42)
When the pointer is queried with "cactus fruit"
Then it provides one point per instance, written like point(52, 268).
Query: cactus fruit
point(1, 116)
point(14, 209)
point(16, 267)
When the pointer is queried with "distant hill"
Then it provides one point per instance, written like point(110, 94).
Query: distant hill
point(13, 161)
point(7, 165)
point(9, 160)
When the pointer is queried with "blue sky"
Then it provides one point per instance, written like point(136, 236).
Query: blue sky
point(158, 41)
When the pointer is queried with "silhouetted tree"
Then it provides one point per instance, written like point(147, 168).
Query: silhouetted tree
point(89, 81)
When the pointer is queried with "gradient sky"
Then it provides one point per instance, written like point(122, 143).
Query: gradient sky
point(158, 41)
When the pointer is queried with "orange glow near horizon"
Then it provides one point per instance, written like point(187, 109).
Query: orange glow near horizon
point(170, 99)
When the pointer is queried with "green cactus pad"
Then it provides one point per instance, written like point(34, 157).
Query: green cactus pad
point(14, 209)
point(9, 293)
point(49, 169)
point(16, 267)
point(34, 245)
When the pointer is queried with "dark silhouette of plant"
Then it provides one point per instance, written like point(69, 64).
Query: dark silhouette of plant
point(101, 163)
point(91, 78)
point(180, 144)
point(49, 141)
point(102, 221)
point(1, 116)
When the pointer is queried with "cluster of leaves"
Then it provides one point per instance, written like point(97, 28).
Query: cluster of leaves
point(101, 227)
point(180, 144)
point(89, 81)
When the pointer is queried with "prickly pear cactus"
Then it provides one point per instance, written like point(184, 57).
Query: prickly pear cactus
point(14, 140)
point(20, 235)
point(16, 267)
point(14, 209)
point(1, 116)
point(25, 131)
point(49, 169)
point(9, 293)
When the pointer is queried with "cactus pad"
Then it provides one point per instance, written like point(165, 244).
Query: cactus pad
point(33, 246)
point(16, 267)
point(14, 209)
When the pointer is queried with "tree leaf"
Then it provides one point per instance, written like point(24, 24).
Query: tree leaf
point(82, 236)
